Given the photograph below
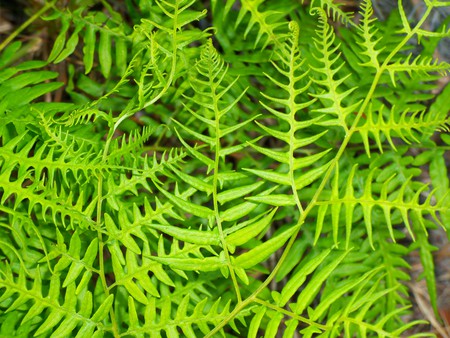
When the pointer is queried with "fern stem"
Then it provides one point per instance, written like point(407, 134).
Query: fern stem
point(215, 188)
point(105, 285)
point(253, 298)
point(100, 236)
point(290, 314)
point(102, 270)
point(223, 241)
point(263, 285)
point(359, 323)
point(293, 111)
point(14, 34)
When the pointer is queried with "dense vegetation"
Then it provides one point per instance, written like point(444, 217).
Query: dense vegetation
point(244, 168)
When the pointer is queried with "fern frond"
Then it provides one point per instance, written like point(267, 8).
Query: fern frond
point(128, 231)
point(370, 38)
point(71, 259)
point(168, 40)
point(299, 223)
point(126, 179)
point(21, 236)
point(403, 196)
point(136, 275)
point(421, 65)
point(408, 126)
point(340, 107)
point(211, 94)
point(396, 267)
point(323, 319)
point(212, 87)
point(293, 101)
point(418, 223)
point(351, 318)
point(56, 136)
point(268, 22)
point(43, 159)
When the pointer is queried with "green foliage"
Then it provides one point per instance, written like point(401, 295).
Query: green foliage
point(247, 169)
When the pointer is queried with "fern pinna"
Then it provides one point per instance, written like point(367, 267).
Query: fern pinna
point(227, 169)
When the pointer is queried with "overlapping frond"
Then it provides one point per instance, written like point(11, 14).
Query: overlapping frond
point(19, 86)
point(135, 274)
point(167, 39)
point(127, 180)
point(74, 161)
point(130, 144)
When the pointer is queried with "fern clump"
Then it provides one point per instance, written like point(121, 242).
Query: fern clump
point(239, 169)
